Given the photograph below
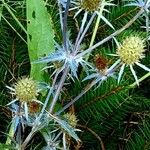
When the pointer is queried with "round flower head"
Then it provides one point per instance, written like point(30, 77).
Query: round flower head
point(101, 63)
point(90, 5)
point(34, 107)
point(26, 90)
point(130, 52)
point(71, 119)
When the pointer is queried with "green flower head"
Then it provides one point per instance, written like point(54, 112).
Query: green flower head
point(90, 5)
point(71, 119)
point(26, 90)
point(131, 50)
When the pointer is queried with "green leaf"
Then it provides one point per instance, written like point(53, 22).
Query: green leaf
point(4, 147)
point(40, 36)
point(1, 9)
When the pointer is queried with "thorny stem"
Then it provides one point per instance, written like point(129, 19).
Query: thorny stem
point(34, 129)
point(89, 50)
point(64, 141)
point(92, 83)
point(48, 96)
point(95, 30)
point(81, 28)
point(88, 87)
point(84, 32)
point(65, 26)
point(61, 83)
point(18, 136)
point(147, 26)
point(28, 138)
point(60, 15)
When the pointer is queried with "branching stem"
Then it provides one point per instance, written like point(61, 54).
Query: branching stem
point(60, 85)
point(89, 50)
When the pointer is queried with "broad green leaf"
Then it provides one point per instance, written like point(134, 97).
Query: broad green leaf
point(40, 36)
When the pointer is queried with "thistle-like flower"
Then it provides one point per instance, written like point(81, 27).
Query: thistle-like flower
point(34, 107)
point(91, 6)
point(25, 91)
point(102, 72)
point(130, 52)
point(71, 119)
point(65, 58)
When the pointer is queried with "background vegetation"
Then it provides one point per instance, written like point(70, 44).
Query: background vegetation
point(111, 117)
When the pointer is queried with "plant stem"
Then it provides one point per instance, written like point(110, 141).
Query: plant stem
point(140, 80)
point(28, 138)
point(89, 50)
point(42, 111)
point(61, 83)
point(84, 32)
point(96, 26)
point(60, 14)
point(95, 30)
point(48, 96)
point(65, 39)
point(88, 87)
point(81, 28)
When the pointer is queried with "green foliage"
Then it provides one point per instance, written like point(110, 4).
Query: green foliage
point(40, 35)
point(120, 116)
point(4, 146)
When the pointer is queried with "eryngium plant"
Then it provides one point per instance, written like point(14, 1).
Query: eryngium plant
point(71, 56)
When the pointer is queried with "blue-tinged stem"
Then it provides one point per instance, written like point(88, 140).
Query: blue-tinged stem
point(87, 88)
point(65, 39)
point(60, 85)
point(84, 32)
point(89, 50)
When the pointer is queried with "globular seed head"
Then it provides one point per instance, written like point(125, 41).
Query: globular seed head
point(131, 50)
point(34, 107)
point(100, 62)
point(26, 90)
point(71, 119)
point(90, 5)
